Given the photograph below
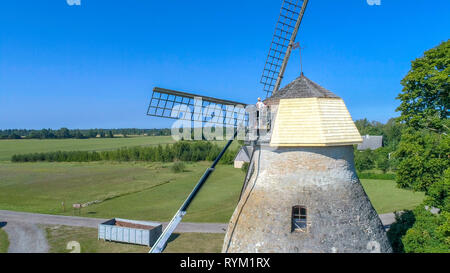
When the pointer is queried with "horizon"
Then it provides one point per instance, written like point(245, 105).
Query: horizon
point(96, 64)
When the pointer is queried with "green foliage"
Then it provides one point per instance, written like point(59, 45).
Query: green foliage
point(423, 153)
point(366, 127)
point(425, 97)
point(364, 160)
point(178, 167)
point(245, 167)
point(380, 176)
point(64, 133)
point(438, 193)
point(180, 151)
point(429, 234)
point(420, 231)
point(391, 131)
point(423, 158)
point(403, 222)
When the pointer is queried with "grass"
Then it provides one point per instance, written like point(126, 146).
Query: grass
point(146, 191)
point(386, 197)
point(4, 242)
point(24, 146)
point(141, 191)
point(59, 236)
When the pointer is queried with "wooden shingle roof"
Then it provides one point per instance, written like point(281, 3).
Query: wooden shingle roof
point(314, 122)
point(302, 87)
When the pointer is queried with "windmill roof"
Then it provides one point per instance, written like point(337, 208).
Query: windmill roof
point(302, 87)
point(314, 122)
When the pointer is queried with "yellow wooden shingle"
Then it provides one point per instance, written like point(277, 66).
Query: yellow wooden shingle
point(314, 122)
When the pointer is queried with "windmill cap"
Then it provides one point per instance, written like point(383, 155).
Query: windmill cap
point(302, 87)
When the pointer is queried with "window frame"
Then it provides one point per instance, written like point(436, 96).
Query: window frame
point(299, 219)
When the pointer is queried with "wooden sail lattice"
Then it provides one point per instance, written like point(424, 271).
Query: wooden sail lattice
point(286, 29)
point(173, 104)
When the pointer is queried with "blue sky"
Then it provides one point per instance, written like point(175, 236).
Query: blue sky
point(94, 65)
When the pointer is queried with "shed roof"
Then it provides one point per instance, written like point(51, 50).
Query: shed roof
point(371, 142)
point(244, 154)
point(302, 87)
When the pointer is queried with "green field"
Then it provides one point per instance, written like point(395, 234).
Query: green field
point(386, 197)
point(146, 191)
point(24, 146)
point(4, 243)
point(59, 236)
point(137, 191)
point(141, 191)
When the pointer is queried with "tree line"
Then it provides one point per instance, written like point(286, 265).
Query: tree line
point(180, 151)
point(380, 158)
point(78, 133)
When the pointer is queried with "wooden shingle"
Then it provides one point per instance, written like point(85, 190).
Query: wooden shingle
point(314, 122)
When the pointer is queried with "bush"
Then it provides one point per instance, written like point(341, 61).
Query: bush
point(381, 176)
point(403, 222)
point(364, 160)
point(180, 151)
point(178, 167)
point(245, 167)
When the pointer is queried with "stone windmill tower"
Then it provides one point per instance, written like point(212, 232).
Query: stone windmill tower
point(303, 194)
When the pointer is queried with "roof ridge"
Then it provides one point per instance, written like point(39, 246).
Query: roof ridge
point(301, 87)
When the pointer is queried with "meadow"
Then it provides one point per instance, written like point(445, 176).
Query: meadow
point(138, 190)
point(10, 147)
point(4, 243)
point(145, 191)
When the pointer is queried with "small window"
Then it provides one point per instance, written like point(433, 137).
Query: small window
point(299, 218)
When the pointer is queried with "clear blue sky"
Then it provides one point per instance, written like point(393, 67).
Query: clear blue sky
point(94, 65)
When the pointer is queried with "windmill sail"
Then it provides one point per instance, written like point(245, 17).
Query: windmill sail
point(286, 30)
point(173, 104)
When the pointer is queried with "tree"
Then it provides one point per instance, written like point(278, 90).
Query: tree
point(63, 133)
point(110, 134)
point(423, 158)
point(423, 152)
point(424, 147)
point(364, 160)
point(425, 97)
point(92, 133)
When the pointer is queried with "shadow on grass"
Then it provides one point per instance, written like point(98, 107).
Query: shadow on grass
point(403, 222)
point(173, 237)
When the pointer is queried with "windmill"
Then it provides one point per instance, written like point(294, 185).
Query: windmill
point(304, 157)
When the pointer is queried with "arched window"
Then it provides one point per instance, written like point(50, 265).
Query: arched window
point(299, 219)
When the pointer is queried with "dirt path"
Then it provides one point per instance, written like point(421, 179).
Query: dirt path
point(25, 238)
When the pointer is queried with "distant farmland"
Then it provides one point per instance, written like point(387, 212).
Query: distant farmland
point(23, 146)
